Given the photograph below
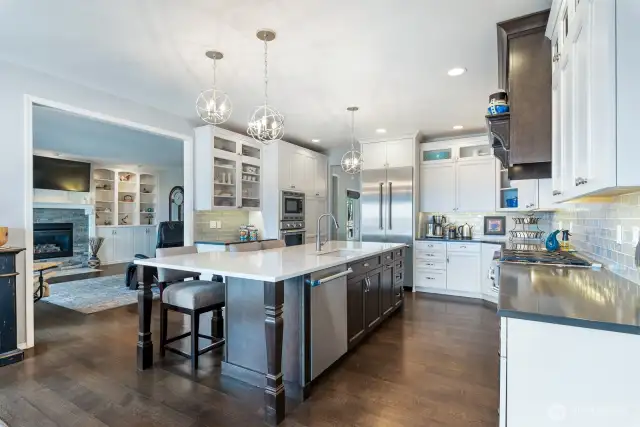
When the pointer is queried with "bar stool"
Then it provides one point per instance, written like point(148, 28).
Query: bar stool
point(273, 244)
point(192, 297)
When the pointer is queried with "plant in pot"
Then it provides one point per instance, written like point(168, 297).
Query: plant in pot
point(94, 246)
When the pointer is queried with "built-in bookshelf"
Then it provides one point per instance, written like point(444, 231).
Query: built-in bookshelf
point(125, 197)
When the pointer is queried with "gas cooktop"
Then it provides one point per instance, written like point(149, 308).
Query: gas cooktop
point(543, 257)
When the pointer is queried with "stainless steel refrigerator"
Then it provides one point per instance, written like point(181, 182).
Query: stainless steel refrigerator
point(387, 210)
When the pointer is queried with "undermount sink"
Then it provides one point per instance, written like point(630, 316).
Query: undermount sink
point(340, 253)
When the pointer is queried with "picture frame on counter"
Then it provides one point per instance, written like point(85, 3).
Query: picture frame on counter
point(495, 225)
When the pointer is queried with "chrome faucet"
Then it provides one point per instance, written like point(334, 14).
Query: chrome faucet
point(319, 242)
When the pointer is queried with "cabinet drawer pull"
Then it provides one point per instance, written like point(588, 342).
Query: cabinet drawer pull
point(430, 246)
point(430, 278)
point(388, 256)
point(463, 247)
point(556, 193)
point(366, 264)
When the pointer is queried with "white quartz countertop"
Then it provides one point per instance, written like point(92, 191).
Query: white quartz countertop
point(271, 265)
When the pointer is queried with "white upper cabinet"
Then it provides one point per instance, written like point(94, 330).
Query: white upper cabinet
point(227, 170)
point(301, 170)
point(388, 154)
point(438, 188)
point(320, 177)
point(595, 92)
point(475, 184)
point(457, 176)
point(400, 153)
point(374, 155)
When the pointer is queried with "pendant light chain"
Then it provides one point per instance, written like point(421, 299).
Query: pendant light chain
point(266, 73)
point(213, 105)
point(266, 124)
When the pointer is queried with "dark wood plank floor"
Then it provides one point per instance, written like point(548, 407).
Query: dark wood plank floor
point(434, 364)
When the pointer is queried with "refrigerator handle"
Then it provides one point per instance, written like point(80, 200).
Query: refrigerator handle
point(380, 207)
point(390, 202)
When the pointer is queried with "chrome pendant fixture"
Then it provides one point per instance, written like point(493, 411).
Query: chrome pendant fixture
point(352, 160)
point(266, 124)
point(213, 105)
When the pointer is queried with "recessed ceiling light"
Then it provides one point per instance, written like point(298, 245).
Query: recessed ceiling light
point(381, 130)
point(458, 127)
point(458, 71)
point(315, 140)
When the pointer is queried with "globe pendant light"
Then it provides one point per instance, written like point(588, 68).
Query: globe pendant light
point(266, 124)
point(352, 159)
point(213, 105)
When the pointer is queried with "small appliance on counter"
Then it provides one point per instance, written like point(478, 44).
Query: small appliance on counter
point(439, 222)
point(452, 231)
point(464, 231)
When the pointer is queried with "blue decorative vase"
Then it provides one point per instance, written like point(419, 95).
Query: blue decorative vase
point(552, 243)
point(94, 261)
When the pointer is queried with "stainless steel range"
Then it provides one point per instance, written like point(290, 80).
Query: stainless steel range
point(561, 259)
point(558, 259)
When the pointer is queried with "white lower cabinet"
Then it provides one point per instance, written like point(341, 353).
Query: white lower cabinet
point(455, 268)
point(122, 243)
point(463, 272)
point(569, 376)
point(144, 241)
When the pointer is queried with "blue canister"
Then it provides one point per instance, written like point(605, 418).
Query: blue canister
point(498, 103)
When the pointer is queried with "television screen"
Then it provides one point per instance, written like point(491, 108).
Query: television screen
point(60, 174)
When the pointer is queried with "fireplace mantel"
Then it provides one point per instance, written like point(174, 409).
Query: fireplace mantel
point(88, 209)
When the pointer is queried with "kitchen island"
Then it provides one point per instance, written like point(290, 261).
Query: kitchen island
point(290, 312)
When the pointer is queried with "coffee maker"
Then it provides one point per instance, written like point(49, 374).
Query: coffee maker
point(438, 225)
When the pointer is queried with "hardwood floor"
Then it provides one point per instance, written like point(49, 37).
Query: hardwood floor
point(434, 364)
point(106, 270)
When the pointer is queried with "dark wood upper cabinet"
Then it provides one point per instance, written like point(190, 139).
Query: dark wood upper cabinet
point(524, 71)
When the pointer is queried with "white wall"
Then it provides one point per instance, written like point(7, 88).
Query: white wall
point(15, 82)
point(168, 179)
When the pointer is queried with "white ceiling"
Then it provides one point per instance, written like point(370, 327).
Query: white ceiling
point(81, 138)
point(390, 57)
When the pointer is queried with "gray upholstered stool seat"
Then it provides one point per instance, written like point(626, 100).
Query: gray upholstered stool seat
point(191, 297)
point(194, 294)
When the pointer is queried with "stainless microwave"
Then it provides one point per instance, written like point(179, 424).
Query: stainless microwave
point(292, 208)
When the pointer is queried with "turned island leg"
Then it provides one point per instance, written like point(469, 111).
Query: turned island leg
point(274, 401)
point(145, 300)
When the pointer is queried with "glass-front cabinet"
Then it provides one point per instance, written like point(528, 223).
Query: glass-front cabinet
point(227, 170)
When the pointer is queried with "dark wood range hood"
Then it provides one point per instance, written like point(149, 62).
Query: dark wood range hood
point(522, 138)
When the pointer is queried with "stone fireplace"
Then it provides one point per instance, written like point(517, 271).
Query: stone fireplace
point(61, 234)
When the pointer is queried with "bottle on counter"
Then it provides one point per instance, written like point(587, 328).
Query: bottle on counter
point(244, 233)
point(252, 232)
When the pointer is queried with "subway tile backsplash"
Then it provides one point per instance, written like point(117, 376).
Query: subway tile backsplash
point(231, 221)
point(594, 231)
point(477, 221)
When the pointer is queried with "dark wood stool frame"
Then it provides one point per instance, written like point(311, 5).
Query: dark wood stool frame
point(217, 327)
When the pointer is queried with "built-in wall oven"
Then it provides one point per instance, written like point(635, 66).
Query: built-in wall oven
point(293, 233)
point(292, 218)
point(292, 208)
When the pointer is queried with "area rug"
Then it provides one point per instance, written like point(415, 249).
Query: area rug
point(72, 271)
point(93, 295)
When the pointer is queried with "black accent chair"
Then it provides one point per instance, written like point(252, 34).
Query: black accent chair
point(170, 235)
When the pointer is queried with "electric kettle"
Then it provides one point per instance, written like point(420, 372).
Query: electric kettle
point(464, 231)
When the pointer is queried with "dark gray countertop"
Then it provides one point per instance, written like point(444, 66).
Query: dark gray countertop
point(228, 242)
point(583, 297)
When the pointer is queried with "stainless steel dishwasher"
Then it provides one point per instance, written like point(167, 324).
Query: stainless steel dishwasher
point(328, 317)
